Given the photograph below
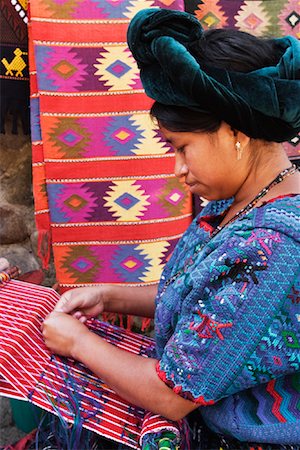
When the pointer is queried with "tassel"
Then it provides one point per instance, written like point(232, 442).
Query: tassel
point(146, 322)
point(44, 247)
point(129, 323)
point(4, 277)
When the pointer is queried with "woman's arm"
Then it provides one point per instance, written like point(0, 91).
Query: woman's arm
point(138, 301)
point(91, 301)
point(133, 377)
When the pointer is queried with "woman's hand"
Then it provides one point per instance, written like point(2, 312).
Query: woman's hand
point(62, 333)
point(13, 271)
point(82, 303)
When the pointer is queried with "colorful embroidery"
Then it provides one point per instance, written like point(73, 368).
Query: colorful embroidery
point(229, 323)
point(207, 327)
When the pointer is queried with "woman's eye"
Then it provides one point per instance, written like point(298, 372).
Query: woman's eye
point(180, 150)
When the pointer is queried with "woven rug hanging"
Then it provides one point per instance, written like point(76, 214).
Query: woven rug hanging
point(104, 188)
point(14, 76)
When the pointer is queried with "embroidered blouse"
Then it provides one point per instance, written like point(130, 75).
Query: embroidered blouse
point(227, 327)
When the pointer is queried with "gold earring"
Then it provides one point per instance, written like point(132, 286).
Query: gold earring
point(239, 150)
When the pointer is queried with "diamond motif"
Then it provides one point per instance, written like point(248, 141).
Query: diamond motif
point(64, 69)
point(290, 339)
point(131, 263)
point(126, 200)
point(210, 20)
point(70, 137)
point(253, 17)
point(175, 197)
point(252, 21)
point(75, 202)
point(123, 135)
point(295, 141)
point(82, 264)
point(211, 14)
point(118, 68)
point(293, 19)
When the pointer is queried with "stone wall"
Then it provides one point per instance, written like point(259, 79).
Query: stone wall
point(18, 235)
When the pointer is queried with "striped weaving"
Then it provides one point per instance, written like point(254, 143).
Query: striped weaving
point(61, 385)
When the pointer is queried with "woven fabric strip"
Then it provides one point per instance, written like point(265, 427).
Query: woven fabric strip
point(61, 385)
point(104, 185)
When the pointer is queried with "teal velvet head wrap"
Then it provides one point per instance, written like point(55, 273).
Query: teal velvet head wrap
point(263, 104)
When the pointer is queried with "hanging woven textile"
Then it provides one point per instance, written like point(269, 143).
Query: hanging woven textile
point(269, 18)
point(104, 185)
point(14, 76)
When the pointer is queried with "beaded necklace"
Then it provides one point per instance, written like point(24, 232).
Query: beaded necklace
point(278, 179)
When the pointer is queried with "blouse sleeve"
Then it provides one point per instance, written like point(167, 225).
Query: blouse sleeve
point(238, 325)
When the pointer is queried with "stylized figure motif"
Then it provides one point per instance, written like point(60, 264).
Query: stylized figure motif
point(17, 64)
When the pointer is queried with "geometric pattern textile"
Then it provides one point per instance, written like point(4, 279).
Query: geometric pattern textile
point(59, 385)
point(104, 188)
point(237, 277)
point(265, 18)
point(14, 77)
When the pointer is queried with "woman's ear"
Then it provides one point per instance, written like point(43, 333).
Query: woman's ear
point(241, 137)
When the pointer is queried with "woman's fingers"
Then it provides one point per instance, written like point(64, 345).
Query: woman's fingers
point(80, 316)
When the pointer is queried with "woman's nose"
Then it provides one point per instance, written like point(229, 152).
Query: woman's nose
point(181, 168)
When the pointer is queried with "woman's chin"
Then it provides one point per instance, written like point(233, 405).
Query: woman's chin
point(194, 189)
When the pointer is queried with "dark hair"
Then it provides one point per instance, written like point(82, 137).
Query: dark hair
point(228, 49)
point(180, 118)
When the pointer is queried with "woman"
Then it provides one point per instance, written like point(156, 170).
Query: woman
point(226, 310)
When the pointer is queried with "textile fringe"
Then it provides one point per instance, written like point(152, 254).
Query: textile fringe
point(126, 322)
point(121, 320)
point(44, 247)
point(146, 322)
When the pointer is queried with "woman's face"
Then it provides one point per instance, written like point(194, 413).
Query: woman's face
point(207, 162)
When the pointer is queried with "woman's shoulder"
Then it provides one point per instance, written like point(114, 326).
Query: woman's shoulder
point(281, 213)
